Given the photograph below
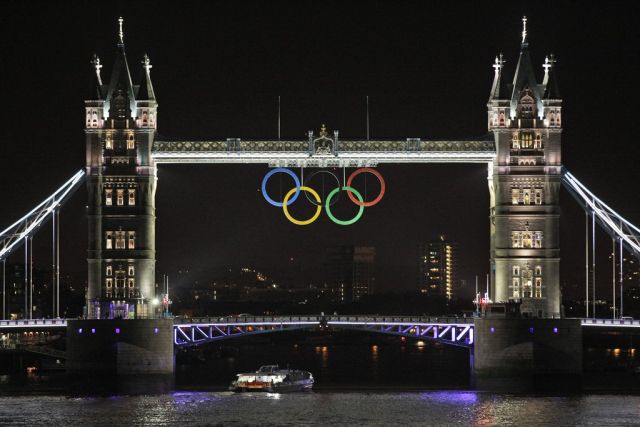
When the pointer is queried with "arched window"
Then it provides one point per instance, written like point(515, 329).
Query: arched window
point(501, 120)
point(527, 105)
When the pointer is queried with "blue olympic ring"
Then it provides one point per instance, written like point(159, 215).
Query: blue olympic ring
point(264, 186)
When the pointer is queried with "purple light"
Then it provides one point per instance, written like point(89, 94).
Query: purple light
point(492, 329)
point(117, 330)
point(531, 330)
point(93, 330)
point(79, 330)
point(555, 330)
point(155, 330)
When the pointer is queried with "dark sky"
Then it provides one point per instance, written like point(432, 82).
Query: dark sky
point(218, 68)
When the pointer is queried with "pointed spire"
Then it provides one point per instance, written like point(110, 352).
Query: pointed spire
point(550, 82)
point(524, 76)
point(96, 80)
point(120, 84)
point(120, 31)
point(499, 87)
point(145, 92)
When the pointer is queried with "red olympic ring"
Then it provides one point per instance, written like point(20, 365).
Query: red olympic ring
point(382, 187)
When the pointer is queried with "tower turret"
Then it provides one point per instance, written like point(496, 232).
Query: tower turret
point(524, 184)
point(121, 185)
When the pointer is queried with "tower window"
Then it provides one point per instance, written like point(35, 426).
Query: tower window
point(145, 118)
point(526, 140)
point(108, 197)
point(132, 270)
point(131, 142)
point(108, 143)
point(131, 283)
point(526, 196)
point(120, 197)
point(109, 270)
point(537, 144)
point(526, 239)
point(132, 240)
point(515, 196)
point(120, 239)
point(109, 240)
point(538, 196)
point(132, 196)
point(109, 283)
point(516, 270)
point(538, 270)
point(515, 141)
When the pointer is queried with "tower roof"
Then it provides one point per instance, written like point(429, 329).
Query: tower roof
point(550, 81)
point(120, 76)
point(524, 76)
point(96, 88)
point(145, 90)
point(499, 88)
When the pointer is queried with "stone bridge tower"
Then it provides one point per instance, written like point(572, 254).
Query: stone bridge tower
point(525, 118)
point(120, 126)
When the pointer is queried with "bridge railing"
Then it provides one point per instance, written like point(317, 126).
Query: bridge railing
point(628, 323)
point(320, 318)
point(24, 323)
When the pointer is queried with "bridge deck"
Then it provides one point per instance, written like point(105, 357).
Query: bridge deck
point(345, 154)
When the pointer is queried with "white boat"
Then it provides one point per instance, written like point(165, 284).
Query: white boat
point(271, 378)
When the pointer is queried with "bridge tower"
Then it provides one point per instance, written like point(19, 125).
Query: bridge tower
point(524, 183)
point(120, 126)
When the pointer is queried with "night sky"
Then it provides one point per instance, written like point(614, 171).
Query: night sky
point(218, 68)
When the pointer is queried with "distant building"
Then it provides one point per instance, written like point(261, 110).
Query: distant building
point(437, 268)
point(349, 273)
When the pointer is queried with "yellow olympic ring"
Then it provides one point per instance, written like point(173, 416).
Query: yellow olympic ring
point(315, 196)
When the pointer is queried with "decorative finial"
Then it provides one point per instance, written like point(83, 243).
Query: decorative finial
point(524, 29)
point(498, 64)
point(95, 61)
point(323, 130)
point(146, 62)
point(121, 32)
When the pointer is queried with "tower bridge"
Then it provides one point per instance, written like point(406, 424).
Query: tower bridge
point(522, 151)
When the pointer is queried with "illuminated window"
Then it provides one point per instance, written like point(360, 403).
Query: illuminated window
point(132, 196)
point(108, 240)
point(145, 118)
point(132, 270)
point(131, 142)
point(515, 141)
point(538, 291)
point(516, 239)
point(526, 196)
point(109, 283)
point(538, 142)
point(131, 283)
point(132, 240)
point(538, 196)
point(108, 143)
point(516, 293)
point(516, 282)
point(108, 197)
point(502, 118)
point(109, 270)
point(515, 196)
point(527, 240)
point(526, 288)
point(516, 270)
point(120, 197)
point(537, 239)
point(526, 140)
point(538, 270)
point(120, 239)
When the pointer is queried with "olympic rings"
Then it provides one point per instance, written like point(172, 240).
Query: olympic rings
point(360, 201)
point(318, 173)
point(282, 170)
point(327, 206)
point(286, 211)
point(292, 195)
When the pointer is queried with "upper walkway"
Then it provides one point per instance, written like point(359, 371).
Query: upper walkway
point(324, 152)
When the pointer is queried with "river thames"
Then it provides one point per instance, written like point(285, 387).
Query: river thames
point(360, 380)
